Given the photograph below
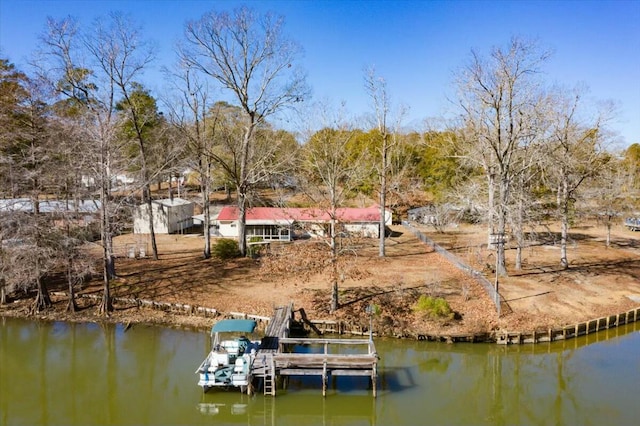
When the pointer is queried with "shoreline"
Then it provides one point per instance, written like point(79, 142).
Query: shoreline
point(198, 318)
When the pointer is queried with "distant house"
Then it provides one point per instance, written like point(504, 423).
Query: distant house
point(280, 224)
point(81, 212)
point(50, 206)
point(633, 223)
point(170, 216)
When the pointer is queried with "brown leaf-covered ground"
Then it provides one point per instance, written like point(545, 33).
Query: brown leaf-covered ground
point(600, 281)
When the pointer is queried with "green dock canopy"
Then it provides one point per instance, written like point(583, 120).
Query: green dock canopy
point(234, 325)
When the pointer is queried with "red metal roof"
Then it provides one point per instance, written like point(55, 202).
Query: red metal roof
point(345, 214)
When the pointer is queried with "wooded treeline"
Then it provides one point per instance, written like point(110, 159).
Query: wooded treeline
point(81, 121)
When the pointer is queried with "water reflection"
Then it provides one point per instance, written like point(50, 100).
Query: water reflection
point(83, 374)
point(300, 408)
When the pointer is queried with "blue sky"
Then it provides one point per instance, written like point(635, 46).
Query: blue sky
point(415, 45)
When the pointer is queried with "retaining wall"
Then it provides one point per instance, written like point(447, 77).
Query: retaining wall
point(341, 327)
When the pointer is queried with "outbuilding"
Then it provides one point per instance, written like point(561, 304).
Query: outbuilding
point(170, 216)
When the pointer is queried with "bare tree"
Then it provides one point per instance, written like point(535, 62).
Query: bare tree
point(607, 195)
point(271, 157)
point(332, 169)
point(250, 57)
point(193, 115)
point(500, 99)
point(121, 55)
point(376, 87)
point(92, 95)
point(522, 209)
point(575, 153)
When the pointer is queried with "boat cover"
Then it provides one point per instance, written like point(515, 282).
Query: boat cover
point(234, 325)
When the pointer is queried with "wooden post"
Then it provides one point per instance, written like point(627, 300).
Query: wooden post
point(374, 376)
point(273, 377)
point(324, 378)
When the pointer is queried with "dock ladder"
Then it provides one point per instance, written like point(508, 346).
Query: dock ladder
point(269, 375)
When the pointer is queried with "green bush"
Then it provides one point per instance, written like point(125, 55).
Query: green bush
point(435, 307)
point(226, 249)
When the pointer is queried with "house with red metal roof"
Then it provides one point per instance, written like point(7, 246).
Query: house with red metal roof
point(283, 223)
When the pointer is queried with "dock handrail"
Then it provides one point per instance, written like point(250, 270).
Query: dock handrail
point(371, 348)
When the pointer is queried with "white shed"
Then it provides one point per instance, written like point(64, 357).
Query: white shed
point(169, 216)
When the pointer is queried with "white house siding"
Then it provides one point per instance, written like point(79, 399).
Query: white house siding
point(268, 232)
point(369, 230)
point(228, 229)
point(169, 216)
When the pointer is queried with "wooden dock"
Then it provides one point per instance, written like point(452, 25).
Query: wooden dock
point(325, 363)
point(277, 358)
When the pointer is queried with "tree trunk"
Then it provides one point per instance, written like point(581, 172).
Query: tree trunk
point(335, 302)
point(383, 196)
point(71, 307)
point(152, 232)
point(206, 223)
point(207, 231)
point(490, 209)
point(109, 268)
point(564, 227)
point(502, 227)
point(519, 234)
point(243, 186)
point(242, 221)
point(108, 261)
point(43, 300)
point(105, 305)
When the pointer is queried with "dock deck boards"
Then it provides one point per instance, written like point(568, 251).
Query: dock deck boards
point(275, 359)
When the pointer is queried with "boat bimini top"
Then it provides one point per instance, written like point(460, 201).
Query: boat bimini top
point(234, 325)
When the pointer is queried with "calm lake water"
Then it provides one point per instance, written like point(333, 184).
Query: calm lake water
point(86, 374)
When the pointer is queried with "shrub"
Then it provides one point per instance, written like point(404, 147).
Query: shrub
point(435, 307)
point(226, 249)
